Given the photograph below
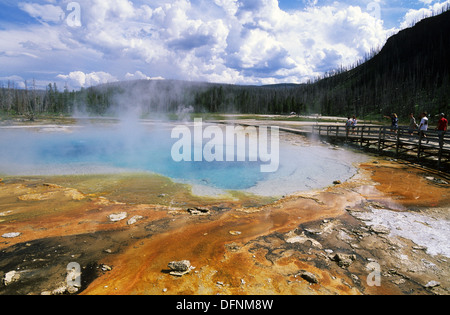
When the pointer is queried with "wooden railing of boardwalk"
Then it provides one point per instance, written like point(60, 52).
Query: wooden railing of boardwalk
point(432, 149)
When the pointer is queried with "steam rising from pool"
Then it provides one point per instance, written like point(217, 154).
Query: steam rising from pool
point(144, 147)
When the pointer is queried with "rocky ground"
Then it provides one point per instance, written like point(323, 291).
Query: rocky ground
point(385, 231)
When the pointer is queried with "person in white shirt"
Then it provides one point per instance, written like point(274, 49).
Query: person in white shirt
point(423, 127)
point(354, 124)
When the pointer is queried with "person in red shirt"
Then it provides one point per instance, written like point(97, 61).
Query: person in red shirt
point(442, 128)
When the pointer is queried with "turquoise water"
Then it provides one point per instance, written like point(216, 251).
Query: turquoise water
point(89, 150)
point(147, 151)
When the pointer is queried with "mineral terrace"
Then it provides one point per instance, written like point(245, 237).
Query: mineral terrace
point(385, 231)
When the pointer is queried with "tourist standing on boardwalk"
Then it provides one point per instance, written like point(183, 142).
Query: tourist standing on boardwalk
point(423, 127)
point(354, 123)
point(442, 128)
point(394, 122)
point(348, 125)
point(412, 124)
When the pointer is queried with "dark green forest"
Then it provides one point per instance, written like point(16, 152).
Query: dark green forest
point(410, 74)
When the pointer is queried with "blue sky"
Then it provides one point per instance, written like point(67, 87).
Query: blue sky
point(88, 42)
point(392, 11)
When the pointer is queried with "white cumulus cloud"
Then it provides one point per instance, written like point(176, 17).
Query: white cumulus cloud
point(45, 13)
point(414, 16)
point(80, 79)
point(230, 41)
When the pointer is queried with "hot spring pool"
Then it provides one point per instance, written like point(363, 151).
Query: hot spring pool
point(104, 149)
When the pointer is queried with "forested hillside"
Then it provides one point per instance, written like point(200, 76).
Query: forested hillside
point(410, 74)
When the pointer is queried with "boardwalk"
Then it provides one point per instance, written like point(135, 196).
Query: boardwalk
point(432, 150)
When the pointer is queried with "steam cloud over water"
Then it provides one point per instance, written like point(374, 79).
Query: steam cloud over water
point(132, 146)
